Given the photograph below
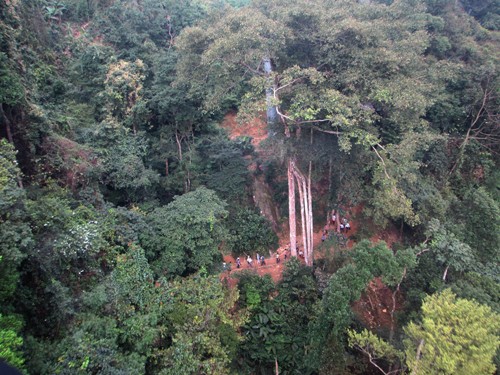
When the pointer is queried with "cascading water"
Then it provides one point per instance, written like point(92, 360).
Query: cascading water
point(272, 114)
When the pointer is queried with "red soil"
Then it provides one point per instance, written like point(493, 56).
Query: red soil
point(375, 305)
point(256, 128)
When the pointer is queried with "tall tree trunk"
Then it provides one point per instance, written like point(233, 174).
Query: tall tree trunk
point(302, 211)
point(330, 170)
point(310, 217)
point(445, 273)
point(292, 220)
point(305, 200)
point(178, 140)
point(418, 354)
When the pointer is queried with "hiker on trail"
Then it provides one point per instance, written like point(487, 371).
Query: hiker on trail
point(277, 258)
point(341, 228)
point(258, 258)
point(238, 262)
point(262, 260)
point(301, 254)
point(286, 253)
point(334, 217)
point(249, 261)
point(224, 266)
point(347, 227)
point(323, 237)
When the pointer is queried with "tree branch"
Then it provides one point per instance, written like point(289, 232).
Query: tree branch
point(383, 163)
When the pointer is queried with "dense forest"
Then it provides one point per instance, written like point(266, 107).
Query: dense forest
point(131, 180)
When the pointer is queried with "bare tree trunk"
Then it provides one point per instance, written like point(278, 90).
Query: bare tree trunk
point(302, 210)
point(330, 167)
point(391, 332)
point(445, 273)
point(166, 167)
point(310, 218)
point(306, 218)
point(291, 210)
point(306, 212)
point(276, 368)
point(179, 145)
point(419, 351)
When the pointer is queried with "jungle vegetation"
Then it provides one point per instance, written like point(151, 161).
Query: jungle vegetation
point(120, 191)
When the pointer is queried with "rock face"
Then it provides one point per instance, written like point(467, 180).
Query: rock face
point(263, 198)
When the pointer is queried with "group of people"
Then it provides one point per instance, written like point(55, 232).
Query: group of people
point(344, 226)
point(344, 223)
point(260, 260)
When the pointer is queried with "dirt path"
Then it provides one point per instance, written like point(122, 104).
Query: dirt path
point(263, 197)
point(374, 306)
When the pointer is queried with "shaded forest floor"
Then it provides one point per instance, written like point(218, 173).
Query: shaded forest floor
point(375, 305)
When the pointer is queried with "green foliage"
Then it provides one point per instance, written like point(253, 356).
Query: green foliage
point(118, 101)
point(374, 346)
point(203, 335)
point(185, 235)
point(279, 321)
point(459, 337)
point(449, 250)
point(254, 290)
point(345, 287)
point(225, 169)
point(10, 341)
point(477, 208)
point(250, 232)
point(481, 288)
point(15, 233)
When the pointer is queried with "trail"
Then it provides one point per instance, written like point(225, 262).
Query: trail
point(263, 197)
point(374, 306)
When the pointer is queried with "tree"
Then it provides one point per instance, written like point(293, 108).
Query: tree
point(205, 324)
point(449, 250)
point(15, 234)
point(124, 84)
point(455, 336)
point(10, 340)
point(186, 234)
point(345, 287)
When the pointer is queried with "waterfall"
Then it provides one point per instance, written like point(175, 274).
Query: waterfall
point(271, 109)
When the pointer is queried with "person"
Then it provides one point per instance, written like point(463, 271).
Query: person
point(323, 237)
point(341, 228)
point(347, 227)
point(286, 253)
point(334, 217)
point(258, 258)
point(249, 261)
point(238, 262)
point(262, 260)
point(277, 258)
point(301, 254)
point(224, 266)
